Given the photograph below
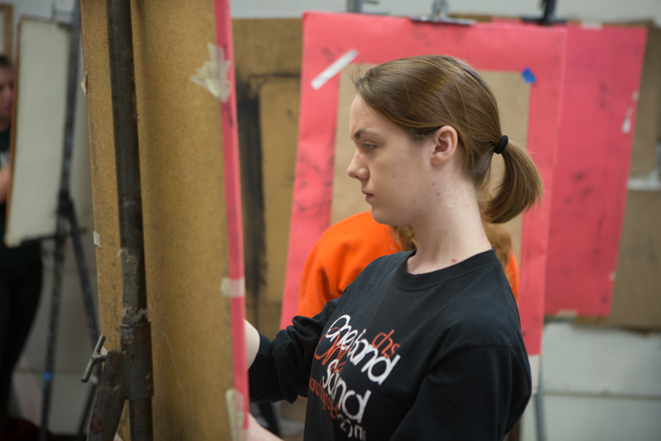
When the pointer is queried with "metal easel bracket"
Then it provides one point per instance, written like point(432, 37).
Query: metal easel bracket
point(440, 14)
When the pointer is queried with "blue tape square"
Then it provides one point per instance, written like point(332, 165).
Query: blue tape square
point(528, 76)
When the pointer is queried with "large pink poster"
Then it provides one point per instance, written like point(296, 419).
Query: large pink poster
point(602, 77)
point(376, 39)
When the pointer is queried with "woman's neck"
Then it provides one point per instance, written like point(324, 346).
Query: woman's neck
point(449, 233)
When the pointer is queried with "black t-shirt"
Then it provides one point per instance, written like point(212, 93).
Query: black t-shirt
point(436, 356)
point(19, 255)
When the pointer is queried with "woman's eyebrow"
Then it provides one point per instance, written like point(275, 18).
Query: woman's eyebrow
point(360, 133)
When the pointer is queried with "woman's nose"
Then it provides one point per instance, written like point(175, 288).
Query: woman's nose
point(357, 168)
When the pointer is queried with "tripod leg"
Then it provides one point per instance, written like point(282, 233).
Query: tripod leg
point(92, 325)
point(82, 428)
point(52, 328)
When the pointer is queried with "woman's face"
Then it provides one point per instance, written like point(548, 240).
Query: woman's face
point(391, 168)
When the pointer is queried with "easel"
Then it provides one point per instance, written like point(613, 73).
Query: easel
point(66, 214)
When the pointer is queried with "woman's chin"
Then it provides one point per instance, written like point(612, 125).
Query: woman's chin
point(381, 217)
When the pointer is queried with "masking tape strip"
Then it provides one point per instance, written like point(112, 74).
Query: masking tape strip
point(534, 371)
point(234, 401)
point(213, 75)
point(626, 124)
point(649, 183)
point(97, 239)
point(567, 314)
point(83, 83)
point(591, 25)
point(233, 288)
point(334, 69)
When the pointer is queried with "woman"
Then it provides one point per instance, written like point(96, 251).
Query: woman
point(423, 344)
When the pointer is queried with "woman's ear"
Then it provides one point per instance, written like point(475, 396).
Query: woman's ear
point(444, 142)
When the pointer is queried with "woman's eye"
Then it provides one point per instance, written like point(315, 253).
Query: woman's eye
point(368, 147)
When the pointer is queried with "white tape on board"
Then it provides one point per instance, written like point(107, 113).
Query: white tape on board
point(233, 287)
point(334, 69)
point(214, 73)
point(534, 371)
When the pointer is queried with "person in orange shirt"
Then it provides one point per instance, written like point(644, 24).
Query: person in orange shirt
point(348, 246)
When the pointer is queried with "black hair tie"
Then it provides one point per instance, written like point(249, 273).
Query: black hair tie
point(502, 144)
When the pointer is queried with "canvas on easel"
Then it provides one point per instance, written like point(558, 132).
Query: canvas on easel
point(37, 130)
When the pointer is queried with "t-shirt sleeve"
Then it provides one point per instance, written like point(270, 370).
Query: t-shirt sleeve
point(474, 394)
point(281, 369)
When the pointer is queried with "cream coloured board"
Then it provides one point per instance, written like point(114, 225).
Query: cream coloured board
point(43, 47)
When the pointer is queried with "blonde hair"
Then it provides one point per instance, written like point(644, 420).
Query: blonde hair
point(422, 94)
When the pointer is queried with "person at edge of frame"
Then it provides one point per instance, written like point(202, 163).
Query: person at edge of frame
point(20, 269)
point(424, 344)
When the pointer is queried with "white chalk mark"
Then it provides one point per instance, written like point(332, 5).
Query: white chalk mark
point(174, 366)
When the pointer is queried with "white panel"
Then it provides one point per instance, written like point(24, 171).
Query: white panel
point(597, 419)
point(81, 170)
point(40, 116)
point(603, 360)
point(600, 383)
point(69, 396)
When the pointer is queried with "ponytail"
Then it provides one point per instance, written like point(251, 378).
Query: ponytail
point(520, 189)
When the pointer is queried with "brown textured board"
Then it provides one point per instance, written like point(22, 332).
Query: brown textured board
point(268, 65)
point(513, 96)
point(648, 115)
point(347, 198)
point(279, 103)
point(267, 47)
point(183, 208)
point(636, 299)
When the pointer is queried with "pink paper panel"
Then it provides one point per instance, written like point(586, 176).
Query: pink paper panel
point(602, 78)
point(377, 39)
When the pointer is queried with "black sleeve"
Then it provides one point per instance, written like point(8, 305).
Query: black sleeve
point(474, 394)
point(281, 369)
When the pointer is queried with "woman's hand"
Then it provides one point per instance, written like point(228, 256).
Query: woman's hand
point(257, 433)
